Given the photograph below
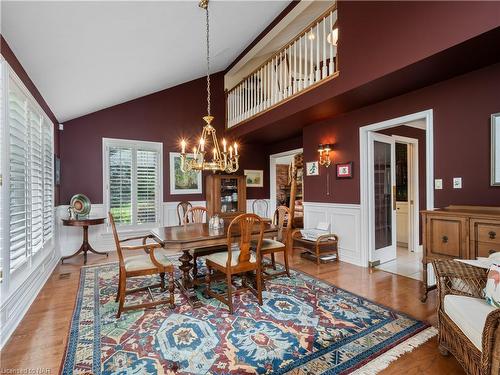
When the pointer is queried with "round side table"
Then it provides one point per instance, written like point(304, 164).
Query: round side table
point(84, 223)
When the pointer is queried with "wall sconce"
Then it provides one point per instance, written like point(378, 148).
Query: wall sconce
point(324, 154)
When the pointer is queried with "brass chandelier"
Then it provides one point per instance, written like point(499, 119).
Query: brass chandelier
point(221, 160)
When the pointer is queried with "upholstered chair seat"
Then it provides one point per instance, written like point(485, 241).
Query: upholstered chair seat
point(221, 258)
point(143, 261)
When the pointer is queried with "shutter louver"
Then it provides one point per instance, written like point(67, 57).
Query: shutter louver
point(147, 183)
point(36, 180)
point(48, 180)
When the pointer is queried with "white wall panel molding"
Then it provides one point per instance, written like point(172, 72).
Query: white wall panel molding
point(344, 221)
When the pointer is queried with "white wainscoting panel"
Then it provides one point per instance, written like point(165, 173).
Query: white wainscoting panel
point(345, 222)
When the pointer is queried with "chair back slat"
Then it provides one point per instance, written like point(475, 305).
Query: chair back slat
point(197, 214)
point(182, 208)
point(115, 236)
point(243, 226)
point(282, 215)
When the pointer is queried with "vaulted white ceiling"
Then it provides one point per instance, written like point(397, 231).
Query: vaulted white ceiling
point(85, 56)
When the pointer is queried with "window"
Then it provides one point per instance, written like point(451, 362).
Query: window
point(28, 176)
point(133, 181)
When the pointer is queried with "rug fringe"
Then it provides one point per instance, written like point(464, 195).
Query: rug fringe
point(383, 361)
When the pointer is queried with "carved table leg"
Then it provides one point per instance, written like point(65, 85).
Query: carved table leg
point(186, 285)
point(84, 248)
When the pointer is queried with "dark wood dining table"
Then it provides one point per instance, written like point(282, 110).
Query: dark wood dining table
point(186, 238)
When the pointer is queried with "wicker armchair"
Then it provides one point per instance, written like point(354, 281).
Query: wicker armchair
point(459, 283)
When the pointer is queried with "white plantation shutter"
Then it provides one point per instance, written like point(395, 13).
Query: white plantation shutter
point(30, 176)
point(18, 176)
point(147, 186)
point(133, 181)
point(48, 180)
point(120, 184)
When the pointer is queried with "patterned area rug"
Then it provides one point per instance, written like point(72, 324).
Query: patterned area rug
point(305, 326)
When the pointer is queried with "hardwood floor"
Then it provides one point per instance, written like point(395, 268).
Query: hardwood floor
point(40, 339)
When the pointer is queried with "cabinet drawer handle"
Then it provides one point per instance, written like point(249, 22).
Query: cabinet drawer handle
point(445, 239)
point(492, 234)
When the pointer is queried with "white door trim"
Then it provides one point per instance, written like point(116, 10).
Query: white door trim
point(272, 176)
point(427, 116)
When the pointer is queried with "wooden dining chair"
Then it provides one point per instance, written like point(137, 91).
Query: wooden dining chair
point(280, 244)
point(196, 214)
point(260, 206)
point(182, 208)
point(238, 259)
point(153, 261)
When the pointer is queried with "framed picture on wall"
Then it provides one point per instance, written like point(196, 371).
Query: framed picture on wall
point(254, 177)
point(312, 168)
point(495, 149)
point(183, 182)
point(344, 170)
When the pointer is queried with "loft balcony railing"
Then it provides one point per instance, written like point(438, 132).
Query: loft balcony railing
point(308, 60)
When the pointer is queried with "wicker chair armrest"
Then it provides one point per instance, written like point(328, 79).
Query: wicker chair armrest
point(490, 358)
point(459, 278)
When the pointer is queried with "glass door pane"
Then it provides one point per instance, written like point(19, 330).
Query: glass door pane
point(229, 195)
point(382, 194)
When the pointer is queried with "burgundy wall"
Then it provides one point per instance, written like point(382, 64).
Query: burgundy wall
point(462, 108)
point(14, 63)
point(165, 116)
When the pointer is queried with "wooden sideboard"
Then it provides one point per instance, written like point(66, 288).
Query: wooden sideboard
point(464, 232)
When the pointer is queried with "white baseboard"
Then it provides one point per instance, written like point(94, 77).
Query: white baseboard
point(345, 222)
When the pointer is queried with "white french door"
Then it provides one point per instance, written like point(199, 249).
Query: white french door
point(382, 175)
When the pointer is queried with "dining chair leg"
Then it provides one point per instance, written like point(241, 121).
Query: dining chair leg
point(230, 293)
point(273, 261)
point(162, 281)
point(287, 267)
point(258, 277)
point(195, 266)
point(171, 289)
point(118, 289)
point(208, 279)
point(123, 283)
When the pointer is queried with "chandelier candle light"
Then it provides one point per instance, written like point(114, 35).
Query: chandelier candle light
point(221, 160)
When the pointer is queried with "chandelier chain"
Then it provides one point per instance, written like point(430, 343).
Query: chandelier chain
point(208, 61)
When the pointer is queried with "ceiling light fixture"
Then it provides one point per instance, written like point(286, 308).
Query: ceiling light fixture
point(223, 161)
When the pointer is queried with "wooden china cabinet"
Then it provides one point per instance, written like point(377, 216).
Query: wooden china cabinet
point(226, 195)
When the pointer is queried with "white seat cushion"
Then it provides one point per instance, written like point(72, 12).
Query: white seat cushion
point(469, 314)
point(221, 258)
point(268, 244)
point(143, 261)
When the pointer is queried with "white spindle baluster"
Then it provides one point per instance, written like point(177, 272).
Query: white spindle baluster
point(318, 68)
point(330, 30)
point(306, 65)
point(325, 41)
point(311, 74)
point(289, 70)
point(294, 77)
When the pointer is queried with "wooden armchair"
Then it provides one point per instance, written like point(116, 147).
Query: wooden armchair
point(468, 327)
point(153, 261)
point(238, 259)
point(182, 208)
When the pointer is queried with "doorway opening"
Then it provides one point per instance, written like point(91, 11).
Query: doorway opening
point(396, 183)
point(283, 189)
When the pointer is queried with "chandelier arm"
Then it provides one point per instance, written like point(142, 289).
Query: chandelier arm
point(208, 60)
